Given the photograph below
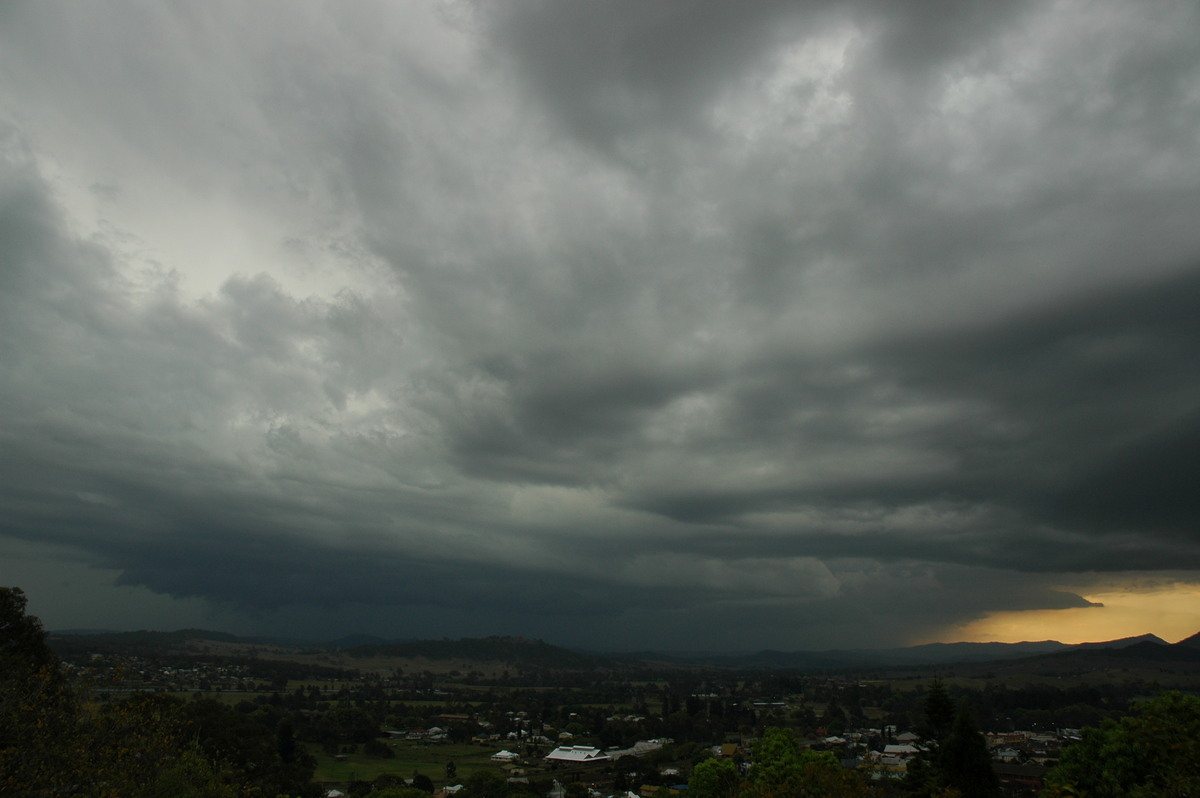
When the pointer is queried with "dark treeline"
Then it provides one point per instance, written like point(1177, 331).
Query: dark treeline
point(58, 740)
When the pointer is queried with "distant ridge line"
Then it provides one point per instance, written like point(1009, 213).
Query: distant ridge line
point(538, 653)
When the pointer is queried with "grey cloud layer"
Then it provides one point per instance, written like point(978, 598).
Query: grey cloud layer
point(645, 313)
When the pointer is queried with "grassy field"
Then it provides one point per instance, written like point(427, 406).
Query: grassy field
point(225, 697)
point(411, 757)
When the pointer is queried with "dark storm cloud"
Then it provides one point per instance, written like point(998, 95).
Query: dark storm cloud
point(617, 68)
point(1080, 414)
point(859, 319)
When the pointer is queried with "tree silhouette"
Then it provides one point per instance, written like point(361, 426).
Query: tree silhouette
point(939, 712)
point(963, 761)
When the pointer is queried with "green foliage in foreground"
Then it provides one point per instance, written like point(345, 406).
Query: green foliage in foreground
point(714, 778)
point(781, 770)
point(53, 743)
point(1152, 754)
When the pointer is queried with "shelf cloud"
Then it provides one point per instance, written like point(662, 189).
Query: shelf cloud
point(621, 324)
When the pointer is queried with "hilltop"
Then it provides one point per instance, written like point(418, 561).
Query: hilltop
point(496, 655)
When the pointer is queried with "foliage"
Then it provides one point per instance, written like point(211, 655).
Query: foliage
point(939, 712)
point(145, 746)
point(1153, 753)
point(776, 757)
point(956, 760)
point(378, 748)
point(37, 709)
point(486, 784)
point(343, 724)
point(714, 778)
point(963, 761)
point(782, 770)
point(134, 748)
point(22, 639)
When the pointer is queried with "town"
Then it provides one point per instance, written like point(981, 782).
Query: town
point(472, 724)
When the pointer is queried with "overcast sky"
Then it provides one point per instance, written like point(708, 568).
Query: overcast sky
point(620, 324)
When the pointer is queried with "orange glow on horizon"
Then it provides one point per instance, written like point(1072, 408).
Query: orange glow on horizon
point(1170, 611)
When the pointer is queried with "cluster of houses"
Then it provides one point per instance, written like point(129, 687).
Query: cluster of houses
point(1019, 758)
point(586, 754)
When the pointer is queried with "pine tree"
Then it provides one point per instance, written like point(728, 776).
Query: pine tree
point(939, 712)
point(963, 761)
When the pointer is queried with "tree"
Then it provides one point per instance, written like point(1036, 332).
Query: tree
point(378, 748)
point(385, 780)
point(22, 639)
point(1155, 752)
point(834, 719)
point(926, 775)
point(963, 761)
point(939, 712)
point(486, 784)
point(348, 724)
point(285, 741)
point(817, 774)
point(713, 778)
point(776, 756)
point(39, 713)
point(782, 770)
point(145, 746)
point(249, 745)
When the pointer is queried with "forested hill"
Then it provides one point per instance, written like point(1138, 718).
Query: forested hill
point(516, 650)
point(517, 653)
point(523, 654)
point(141, 642)
point(928, 655)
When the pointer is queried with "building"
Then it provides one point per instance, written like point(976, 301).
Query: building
point(576, 755)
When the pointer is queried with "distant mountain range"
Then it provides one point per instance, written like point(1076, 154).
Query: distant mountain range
point(928, 654)
point(518, 650)
point(1190, 642)
point(1047, 655)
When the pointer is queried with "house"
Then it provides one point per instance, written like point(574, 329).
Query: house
point(505, 756)
point(454, 718)
point(902, 751)
point(577, 755)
